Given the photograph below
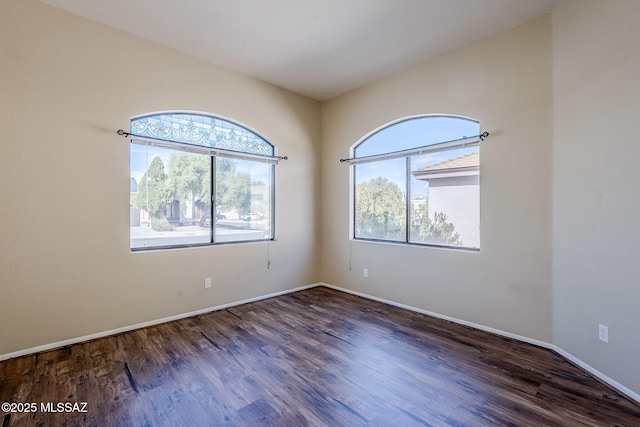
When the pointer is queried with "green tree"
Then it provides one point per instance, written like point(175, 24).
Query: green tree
point(435, 231)
point(380, 210)
point(153, 194)
point(190, 177)
point(381, 214)
point(233, 187)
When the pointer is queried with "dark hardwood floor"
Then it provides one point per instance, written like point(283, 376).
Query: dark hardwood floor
point(317, 357)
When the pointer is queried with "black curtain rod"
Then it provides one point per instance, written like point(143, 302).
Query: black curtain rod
point(481, 137)
point(127, 134)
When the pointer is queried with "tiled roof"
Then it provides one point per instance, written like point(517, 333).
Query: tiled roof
point(466, 161)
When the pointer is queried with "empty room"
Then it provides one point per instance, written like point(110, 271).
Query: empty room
point(319, 213)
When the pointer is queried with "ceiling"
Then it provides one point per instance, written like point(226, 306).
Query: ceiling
point(318, 48)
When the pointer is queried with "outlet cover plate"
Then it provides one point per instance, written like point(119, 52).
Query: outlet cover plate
point(603, 333)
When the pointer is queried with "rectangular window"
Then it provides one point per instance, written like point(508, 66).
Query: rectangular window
point(437, 194)
point(445, 198)
point(243, 200)
point(380, 200)
point(172, 203)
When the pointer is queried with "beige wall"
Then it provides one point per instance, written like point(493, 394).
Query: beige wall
point(66, 85)
point(596, 170)
point(505, 82)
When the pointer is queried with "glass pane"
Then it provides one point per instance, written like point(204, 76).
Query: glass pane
point(206, 131)
point(417, 132)
point(170, 203)
point(380, 200)
point(244, 208)
point(445, 198)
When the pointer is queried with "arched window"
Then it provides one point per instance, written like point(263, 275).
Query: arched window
point(417, 181)
point(198, 179)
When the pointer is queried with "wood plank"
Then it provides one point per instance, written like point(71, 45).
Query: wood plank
point(317, 357)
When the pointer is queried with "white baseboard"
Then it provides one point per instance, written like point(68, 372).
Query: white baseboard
point(613, 383)
point(602, 377)
point(621, 388)
point(83, 338)
point(442, 316)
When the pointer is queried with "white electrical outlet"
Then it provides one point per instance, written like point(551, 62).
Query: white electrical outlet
point(365, 272)
point(603, 333)
point(207, 282)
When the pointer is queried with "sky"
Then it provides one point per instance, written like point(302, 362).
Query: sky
point(408, 134)
point(416, 132)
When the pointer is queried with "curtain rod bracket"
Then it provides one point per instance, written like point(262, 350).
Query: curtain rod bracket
point(123, 133)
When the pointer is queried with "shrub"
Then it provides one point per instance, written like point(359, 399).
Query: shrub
point(160, 224)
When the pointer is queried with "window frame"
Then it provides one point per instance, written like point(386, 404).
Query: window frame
point(407, 155)
point(214, 154)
